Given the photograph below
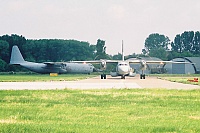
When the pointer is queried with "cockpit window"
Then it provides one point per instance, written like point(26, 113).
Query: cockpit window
point(123, 64)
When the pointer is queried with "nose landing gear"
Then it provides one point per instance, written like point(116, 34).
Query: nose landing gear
point(123, 77)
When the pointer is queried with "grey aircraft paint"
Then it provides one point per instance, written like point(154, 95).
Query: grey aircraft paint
point(123, 66)
point(49, 67)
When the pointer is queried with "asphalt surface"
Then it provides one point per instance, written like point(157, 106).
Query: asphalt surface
point(97, 83)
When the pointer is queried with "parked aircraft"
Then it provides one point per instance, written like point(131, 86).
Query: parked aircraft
point(123, 66)
point(49, 67)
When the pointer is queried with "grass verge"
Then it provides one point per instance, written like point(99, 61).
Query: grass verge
point(125, 110)
point(181, 78)
point(42, 77)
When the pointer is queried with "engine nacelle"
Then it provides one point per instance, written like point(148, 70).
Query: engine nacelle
point(143, 65)
point(103, 64)
point(132, 74)
point(113, 74)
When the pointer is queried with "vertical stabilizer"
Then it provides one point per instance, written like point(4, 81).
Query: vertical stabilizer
point(122, 51)
point(16, 56)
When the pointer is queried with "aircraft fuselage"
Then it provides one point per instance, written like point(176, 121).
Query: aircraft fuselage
point(58, 68)
point(123, 68)
point(49, 67)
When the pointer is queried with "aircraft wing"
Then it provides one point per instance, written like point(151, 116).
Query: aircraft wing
point(97, 61)
point(167, 62)
point(134, 61)
point(157, 62)
point(49, 63)
point(92, 61)
point(53, 64)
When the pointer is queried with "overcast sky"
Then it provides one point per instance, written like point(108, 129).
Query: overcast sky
point(110, 20)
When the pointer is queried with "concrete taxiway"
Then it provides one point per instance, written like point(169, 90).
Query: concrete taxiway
point(97, 83)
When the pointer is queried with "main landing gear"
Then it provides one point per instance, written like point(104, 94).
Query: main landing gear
point(123, 77)
point(103, 76)
point(142, 76)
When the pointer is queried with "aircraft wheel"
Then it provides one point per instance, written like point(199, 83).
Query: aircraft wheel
point(123, 77)
point(142, 76)
point(103, 76)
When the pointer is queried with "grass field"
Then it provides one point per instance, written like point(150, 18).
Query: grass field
point(100, 111)
point(41, 77)
point(5, 77)
point(183, 78)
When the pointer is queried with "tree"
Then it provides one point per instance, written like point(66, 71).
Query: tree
point(3, 65)
point(187, 39)
point(196, 44)
point(14, 40)
point(117, 56)
point(188, 43)
point(156, 45)
point(159, 53)
point(155, 41)
point(4, 52)
point(44, 50)
point(177, 45)
point(101, 49)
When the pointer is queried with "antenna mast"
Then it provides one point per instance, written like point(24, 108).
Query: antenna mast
point(122, 50)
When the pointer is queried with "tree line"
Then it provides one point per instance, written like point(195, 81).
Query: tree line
point(58, 50)
point(186, 44)
point(44, 50)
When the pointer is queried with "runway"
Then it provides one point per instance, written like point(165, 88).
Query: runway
point(97, 83)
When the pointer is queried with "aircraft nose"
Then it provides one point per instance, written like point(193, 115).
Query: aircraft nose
point(123, 70)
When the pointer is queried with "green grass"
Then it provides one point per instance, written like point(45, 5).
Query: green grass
point(100, 111)
point(180, 78)
point(175, 75)
point(41, 77)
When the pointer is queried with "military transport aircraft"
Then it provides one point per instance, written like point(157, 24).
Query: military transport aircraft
point(123, 66)
point(49, 67)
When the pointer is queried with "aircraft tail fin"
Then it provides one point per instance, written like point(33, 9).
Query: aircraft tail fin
point(16, 56)
point(122, 51)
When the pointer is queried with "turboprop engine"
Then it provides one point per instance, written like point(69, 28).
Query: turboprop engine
point(143, 68)
point(132, 73)
point(143, 65)
point(103, 64)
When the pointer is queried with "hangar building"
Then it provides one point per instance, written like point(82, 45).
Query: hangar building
point(184, 68)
